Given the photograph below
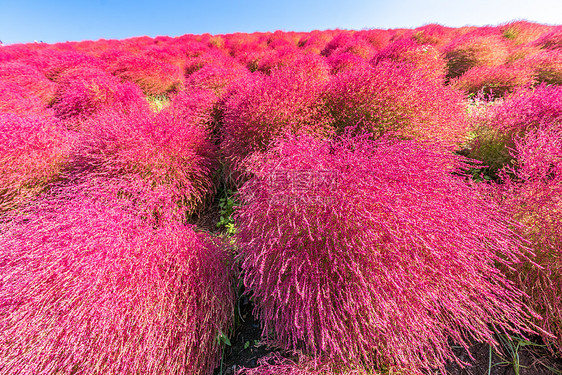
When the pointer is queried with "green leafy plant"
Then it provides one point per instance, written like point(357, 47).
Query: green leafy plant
point(226, 205)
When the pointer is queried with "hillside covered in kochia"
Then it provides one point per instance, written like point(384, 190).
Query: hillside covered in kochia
point(397, 191)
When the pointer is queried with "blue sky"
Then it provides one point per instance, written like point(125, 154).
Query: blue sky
point(62, 20)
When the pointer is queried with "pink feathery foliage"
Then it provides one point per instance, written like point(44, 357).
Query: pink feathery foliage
point(154, 77)
point(53, 63)
point(82, 92)
point(393, 97)
point(423, 57)
point(16, 52)
point(190, 47)
point(217, 78)
point(19, 100)
point(345, 61)
point(371, 253)
point(195, 106)
point(496, 81)
point(550, 40)
point(346, 42)
point(29, 78)
point(88, 288)
point(546, 65)
point(356, 46)
point(166, 150)
point(519, 113)
point(315, 41)
point(111, 55)
point(167, 53)
point(137, 44)
point(33, 150)
point(524, 32)
point(94, 48)
point(277, 59)
point(521, 52)
point(401, 34)
point(244, 47)
point(477, 48)
point(376, 37)
point(264, 107)
point(275, 364)
point(305, 67)
point(213, 57)
point(532, 193)
point(527, 108)
point(434, 34)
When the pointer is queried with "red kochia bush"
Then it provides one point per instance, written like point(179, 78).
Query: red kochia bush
point(434, 34)
point(265, 106)
point(29, 78)
point(424, 57)
point(165, 150)
point(546, 65)
point(522, 111)
point(532, 195)
point(53, 63)
point(18, 100)
point(87, 288)
point(477, 48)
point(550, 40)
point(395, 97)
point(275, 364)
point(524, 32)
point(153, 76)
point(217, 78)
point(82, 92)
point(195, 106)
point(33, 149)
point(371, 252)
point(496, 81)
point(345, 61)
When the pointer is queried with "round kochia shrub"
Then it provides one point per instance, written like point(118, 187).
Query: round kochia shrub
point(524, 110)
point(153, 76)
point(424, 57)
point(494, 81)
point(167, 150)
point(477, 48)
point(88, 288)
point(81, 92)
point(532, 195)
point(33, 149)
point(30, 78)
point(263, 107)
point(373, 253)
point(394, 97)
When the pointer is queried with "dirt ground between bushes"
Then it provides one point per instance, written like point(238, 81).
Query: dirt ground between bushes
point(246, 348)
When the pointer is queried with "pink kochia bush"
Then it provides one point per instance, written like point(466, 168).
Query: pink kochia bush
point(424, 57)
point(496, 81)
point(153, 76)
point(275, 364)
point(532, 194)
point(19, 100)
point(371, 253)
point(477, 48)
point(546, 66)
point(522, 111)
point(29, 78)
point(82, 92)
point(394, 97)
point(91, 289)
point(263, 107)
point(33, 149)
point(165, 150)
